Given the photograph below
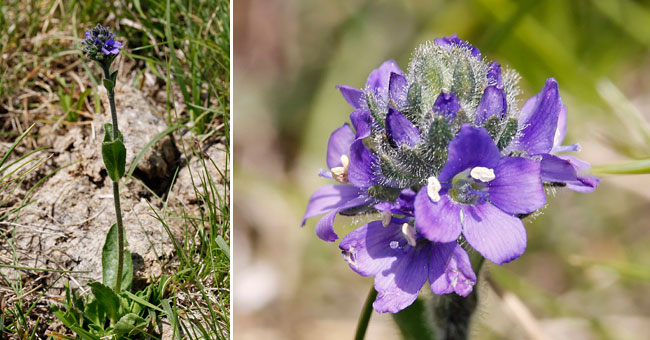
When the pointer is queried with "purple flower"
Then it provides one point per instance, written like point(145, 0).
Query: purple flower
point(479, 195)
point(386, 84)
point(446, 105)
point(348, 163)
point(100, 44)
point(543, 119)
point(451, 164)
point(401, 260)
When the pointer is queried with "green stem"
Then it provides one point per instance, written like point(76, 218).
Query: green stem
point(116, 192)
point(364, 318)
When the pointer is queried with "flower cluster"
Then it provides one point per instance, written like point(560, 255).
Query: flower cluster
point(450, 161)
point(100, 45)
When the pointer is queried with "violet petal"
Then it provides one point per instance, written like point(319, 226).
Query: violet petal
point(517, 187)
point(450, 269)
point(437, 221)
point(499, 237)
point(339, 145)
point(400, 130)
point(470, 148)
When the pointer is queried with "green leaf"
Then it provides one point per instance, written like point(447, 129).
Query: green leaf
point(109, 85)
point(95, 313)
point(109, 261)
point(114, 155)
point(106, 299)
point(413, 322)
point(129, 324)
point(72, 325)
point(223, 246)
point(108, 133)
point(114, 77)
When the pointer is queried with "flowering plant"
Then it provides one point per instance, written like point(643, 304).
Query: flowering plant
point(452, 164)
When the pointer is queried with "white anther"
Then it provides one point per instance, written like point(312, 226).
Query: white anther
point(409, 234)
point(340, 173)
point(433, 188)
point(482, 174)
point(345, 161)
point(386, 216)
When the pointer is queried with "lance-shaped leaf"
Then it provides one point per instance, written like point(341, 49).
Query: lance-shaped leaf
point(109, 261)
point(114, 154)
point(109, 85)
point(106, 299)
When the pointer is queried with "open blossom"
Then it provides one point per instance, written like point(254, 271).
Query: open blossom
point(451, 163)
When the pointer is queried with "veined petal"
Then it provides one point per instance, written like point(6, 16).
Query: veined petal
point(517, 187)
point(494, 75)
point(362, 166)
point(446, 105)
point(470, 148)
point(339, 145)
point(398, 286)
point(397, 89)
point(538, 133)
point(499, 237)
point(437, 221)
point(325, 226)
point(560, 132)
point(400, 130)
point(379, 79)
point(570, 171)
point(361, 120)
point(493, 103)
point(450, 269)
point(352, 95)
point(368, 249)
point(328, 198)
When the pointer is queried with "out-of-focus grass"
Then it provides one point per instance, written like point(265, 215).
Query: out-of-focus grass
point(580, 275)
point(185, 45)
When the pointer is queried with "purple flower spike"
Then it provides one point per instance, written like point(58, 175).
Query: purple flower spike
point(446, 105)
point(441, 187)
point(100, 46)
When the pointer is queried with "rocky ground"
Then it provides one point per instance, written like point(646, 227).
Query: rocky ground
point(71, 210)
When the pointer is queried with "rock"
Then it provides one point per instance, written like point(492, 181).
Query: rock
point(216, 166)
point(140, 124)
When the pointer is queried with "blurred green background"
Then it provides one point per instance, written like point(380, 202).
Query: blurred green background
point(586, 272)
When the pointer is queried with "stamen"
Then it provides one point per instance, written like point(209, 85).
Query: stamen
point(482, 174)
point(340, 173)
point(409, 234)
point(433, 188)
point(386, 216)
point(345, 161)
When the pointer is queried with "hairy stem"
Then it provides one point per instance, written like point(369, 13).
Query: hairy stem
point(364, 318)
point(116, 193)
point(452, 313)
